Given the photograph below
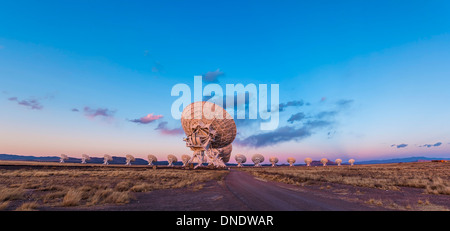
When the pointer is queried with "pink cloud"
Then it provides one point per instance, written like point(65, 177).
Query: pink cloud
point(162, 127)
point(147, 119)
point(32, 103)
point(102, 112)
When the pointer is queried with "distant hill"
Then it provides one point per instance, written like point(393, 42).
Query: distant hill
point(140, 161)
point(401, 160)
point(94, 160)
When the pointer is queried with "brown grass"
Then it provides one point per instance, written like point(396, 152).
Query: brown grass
point(72, 198)
point(53, 185)
point(434, 178)
point(28, 206)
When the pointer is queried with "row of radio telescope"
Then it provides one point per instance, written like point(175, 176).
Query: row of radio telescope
point(240, 160)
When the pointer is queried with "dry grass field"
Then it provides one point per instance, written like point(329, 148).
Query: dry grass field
point(67, 185)
point(50, 186)
point(432, 177)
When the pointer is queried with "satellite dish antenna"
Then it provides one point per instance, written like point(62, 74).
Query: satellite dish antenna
point(240, 159)
point(185, 159)
point(171, 159)
point(258, 159)
point(225, 153)
point(338, 162)
point(151, 159)
point(84, 158)
point(351, 161)
point(324, 161)
point(106, 159)
point(273, 160)
point(63, 158)
point(129, 159)
point(208, 128)
point(308, 161)
point(291, 161)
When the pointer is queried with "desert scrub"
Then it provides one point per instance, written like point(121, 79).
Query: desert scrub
point(54, 186)
point(8, 194)
point(434, 178)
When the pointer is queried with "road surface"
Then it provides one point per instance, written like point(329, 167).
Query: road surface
point(261, 195)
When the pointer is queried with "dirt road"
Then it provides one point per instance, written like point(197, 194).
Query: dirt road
point(261, 195)
point(239, 191)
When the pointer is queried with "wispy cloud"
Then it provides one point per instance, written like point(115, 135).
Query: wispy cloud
point(399, 145)
point(296, 117)
point(157, 67)
point(295, 103)
point(283, 134)
point(147, 119)
point(310, 124)
point(431, 145)
point(31, 103)
point(92, 113)
point(213, 76)
point(162, 127)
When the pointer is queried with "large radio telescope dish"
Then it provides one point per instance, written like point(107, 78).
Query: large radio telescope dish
point(129, 159)
point(185, 159)
point(209, 130)
point(84, 158)
point(151, 159)
point(240, 159)
point(63, 158)
point(291, 161)
point(171, 159)
point(225, 153)
point(273, 160)
point(257, 159)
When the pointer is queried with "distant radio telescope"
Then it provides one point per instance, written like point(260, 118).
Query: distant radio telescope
point(85, 158)
point(273, 160)
point(171, 159)
point(291, 161)
point(106, 159)
point(324, 161)
point(151, 159)
point(63, 158)
point(185, 159)
point(129, 159)
point(257, 159)
point(240, 159)
point(308, 161)
point(338, 162)
point(351, 161)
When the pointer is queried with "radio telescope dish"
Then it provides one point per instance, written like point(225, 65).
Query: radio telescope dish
point(225, 153)
point(107, 158)
point(208, 128)
point(258, 159)
point(63, 158)
point(273, 160)
point(151, 159)
point(291, 161)
point(338, 162)
point(351, 161)
point(308, 161)
point(240, 159)
point(84, 158)
point(185, 159)
point(324, 161)
point(130, 159)
point(171, 159)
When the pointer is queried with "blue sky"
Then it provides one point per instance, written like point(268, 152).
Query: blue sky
point(92, 66)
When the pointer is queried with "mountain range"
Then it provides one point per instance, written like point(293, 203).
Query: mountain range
point(140, 161)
